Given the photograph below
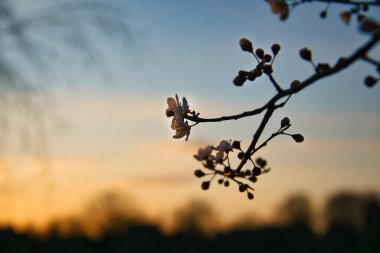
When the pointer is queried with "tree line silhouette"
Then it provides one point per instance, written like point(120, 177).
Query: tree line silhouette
point(352, 224)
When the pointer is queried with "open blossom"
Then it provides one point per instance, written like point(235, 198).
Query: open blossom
point(224, 146)
point(203, 153)
point(218, 157)
point(177, 111)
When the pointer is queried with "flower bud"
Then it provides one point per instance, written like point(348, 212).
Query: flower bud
point(369, 25)
point(220, 181)
point(227, 169)
point(236, 145)
point(285, 122)
point(243, 187)
point(256, 171)
point(346, 17)
point(253, 179)
point(275, 48)
point(298, 137)
point(240, 155)
point(199, 173)
point(239, 80)
point(305, 54)
point(243, 73)
point(267, 57)
point(370, 81)
point(267, 69)
point(322, 67)
point(261, 162)
point(246, 45)
point(226, 183)
point(250, 195)
point(251, 76)
point(260, 53)
point(205, 185)
point(295, 84)
point(323, 14)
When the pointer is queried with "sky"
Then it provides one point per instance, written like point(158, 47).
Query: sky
point(108, 130)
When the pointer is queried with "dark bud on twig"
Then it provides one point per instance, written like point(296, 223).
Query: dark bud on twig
point(243, 187)
point(346, 17)
point(240, 155)
point(226, 183)
point(261, 162)
point(369, 25)
point(323, 14)
point(370, 81)
point(298, 137)
point(305, 54)
point(236, 145)
point(251, 76)
point(205, 185)
point(268, 69)
point(246, 45)
point(243, 73)
point(239, 80)
point(322, 67)
point(267, 57)
point(256, 171)
point(253, 179)
point(227, 169)
point(220, 181)
point(275, 48)
point(199, 173)
point(295, 84)
point(250, 195)
point(260, 53)
point(285, 122)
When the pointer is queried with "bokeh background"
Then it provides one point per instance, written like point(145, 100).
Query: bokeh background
point(83, 127)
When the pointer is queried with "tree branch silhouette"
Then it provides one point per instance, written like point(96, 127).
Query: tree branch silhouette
point(217, 159)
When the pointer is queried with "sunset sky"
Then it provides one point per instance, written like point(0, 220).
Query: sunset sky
point(109, 132)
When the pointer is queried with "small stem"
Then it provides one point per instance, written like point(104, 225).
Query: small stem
point(275, 84)
point(371, 60)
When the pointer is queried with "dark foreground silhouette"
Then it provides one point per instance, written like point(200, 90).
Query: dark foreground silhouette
point(353, 225)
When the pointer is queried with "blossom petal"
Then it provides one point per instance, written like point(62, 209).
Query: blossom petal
point(172, 104)
point(185, 104)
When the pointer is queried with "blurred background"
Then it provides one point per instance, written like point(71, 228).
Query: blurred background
point(87, 158)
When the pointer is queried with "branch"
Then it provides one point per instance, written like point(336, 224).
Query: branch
point(342, 63)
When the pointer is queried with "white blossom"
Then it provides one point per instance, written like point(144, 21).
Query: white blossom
point(177, 111)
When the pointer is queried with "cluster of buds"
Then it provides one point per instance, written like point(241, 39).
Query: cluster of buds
point(178, 111)
point(217, 162)
point(264, 62)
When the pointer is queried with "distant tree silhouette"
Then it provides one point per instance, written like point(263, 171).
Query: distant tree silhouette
point(111, 213)
point(296, 211)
